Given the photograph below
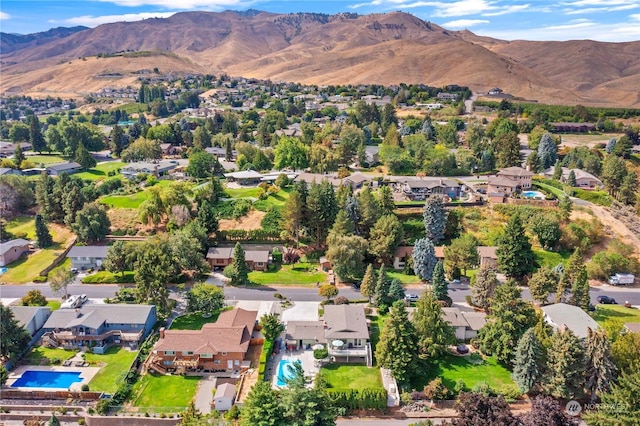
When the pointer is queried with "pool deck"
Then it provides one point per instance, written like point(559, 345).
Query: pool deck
point(86, 374)
point(305, 356)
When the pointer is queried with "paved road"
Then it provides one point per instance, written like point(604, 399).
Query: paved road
point(92, 291)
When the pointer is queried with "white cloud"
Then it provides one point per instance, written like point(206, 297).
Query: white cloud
point(4, 16)
point(509, 9)
point(463, 23)
point(180, 4)
point(94, 21)
point(581, 3)
point(635, 17)
point(444, 9)
point(581, 11)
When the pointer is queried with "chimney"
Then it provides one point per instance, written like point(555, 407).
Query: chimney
point(162, 332)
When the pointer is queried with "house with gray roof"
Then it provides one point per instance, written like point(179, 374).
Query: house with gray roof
point(347, 333)
point(562, 315)
point(87, 257)
point(304, 334)
point(31, 318)
point(11, 250)
point(59, 168)
point(9, 171)
point(161, 168)
point(256, 256)
point(466, 324)
point(244, 177)
point(99, 326)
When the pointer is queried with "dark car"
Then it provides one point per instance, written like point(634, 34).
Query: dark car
point(606, 300)
point(462, 349)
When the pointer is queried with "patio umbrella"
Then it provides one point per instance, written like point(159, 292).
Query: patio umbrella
point(337, 343)
point(317, 346)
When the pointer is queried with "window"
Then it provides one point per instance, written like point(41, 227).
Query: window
point(206, 356)
point(217, 361)
point(187, 353)
point(169, 352)
point(236, 362)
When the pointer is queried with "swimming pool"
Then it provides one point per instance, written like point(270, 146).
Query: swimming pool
point(286, 371)
point(3, 270)
point(47, 379)
point(533, 194)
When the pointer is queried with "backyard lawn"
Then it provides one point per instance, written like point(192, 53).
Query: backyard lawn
point(304, 274)
point(451, 368)
point(115, 365)
point(22, 227)
point(550, 258)
point(340, 376)
point(45, 159)
point(40, 355)
point(132, 201)
point(605, 312)
point(164, 394)
point(274, 200)
point(27, 268)
point(100, 171)
point(403, 278)
point(252, 192)
point(193, 321)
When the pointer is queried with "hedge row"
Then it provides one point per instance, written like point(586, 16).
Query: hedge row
point(249, 235)
point(267, 349)
point(359, 399)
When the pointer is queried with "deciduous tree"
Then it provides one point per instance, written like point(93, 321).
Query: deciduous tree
point(542, 282)
point(262, 407)
point(34, 298)
point(461, 255)
point(368, 285)
point(385, 237)
point(272, 327)
point(346, 254)
point(328, 290)
point(92, 223)
point(205, 298)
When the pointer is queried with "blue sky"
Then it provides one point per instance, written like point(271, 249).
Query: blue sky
point(603, 20)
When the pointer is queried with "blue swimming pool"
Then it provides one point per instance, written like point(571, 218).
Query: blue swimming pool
point(533, 194)
point(47, 379)
point(3, 270)
point(286, 371)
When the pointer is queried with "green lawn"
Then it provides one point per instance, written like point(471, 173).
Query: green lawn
point(101, 170)
point(133, 107)
point(550, 258)
point(553, 190)
point(132, 201)
point(106, 277)
point(403, 278)
point(605, 312)
point(298, 274)
point(165, 394)
point(54, 304)
point(340, 376)
point(27, 268)
point(46, 159)
point(193, 321)
point(275, 200)
point(22, 226)
point(451, 368)
point(243, 192)
point(40, 355)
point(377, 321)
point(600, 198)
point(115, 365)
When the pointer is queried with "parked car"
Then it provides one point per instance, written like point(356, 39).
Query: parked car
point(606, 300)
point(456, 281)
point(409, 297)
point(462, 349)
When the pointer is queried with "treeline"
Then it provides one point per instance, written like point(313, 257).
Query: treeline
point(553, 113)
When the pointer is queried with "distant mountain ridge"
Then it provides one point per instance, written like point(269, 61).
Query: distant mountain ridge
point(12, 42)
point(314, 48)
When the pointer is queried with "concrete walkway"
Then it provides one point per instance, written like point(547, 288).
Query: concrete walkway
point(204, 395)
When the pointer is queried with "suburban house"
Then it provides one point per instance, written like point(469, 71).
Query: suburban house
point(221, 152)
point(99, 326)
point(444, 96)
point(9, 171)
point(168, 149)
point(257, 257)
point(68, 168)
point(224, 397)
point(31, 318)
point(11, 250)
point(572, 127)
point(466, 324)
point(419, 188)
point(217, 347)
point(508, 181)
point(400, 257)
point(563, 315)
point(8, 148)
point(356, 180)
point(87, 257)
point(304, 334)
point(488, 257)
point(347, 333)
point(371, 153)
point(583, 179)
point(159, 169)
point(245, 177)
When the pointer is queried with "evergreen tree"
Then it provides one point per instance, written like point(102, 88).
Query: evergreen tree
point(262, 407)
point(385, 237)
point(118, 140)
point(433, 331)
point(580, 290)
point(84, 158)
point(239, 267)
point(515, 256)
point(528, 366)
point(18, 156)
point(542, 282)
point(569, 276)
point(385, 200)
point(435, 218)
point(14, 338)
point(547, 151)
point(116, 260)
point(483, 286)
point(510, 317)
point(571, 179)
point(92, 223)
point(293, 214)
point(565, 206)
point(557, 171)
point(438, 283)
point(601, 371)
point(43, 236)
point(396, 292)
point(35, 134)
point(207, 216)
point(424, 259)
point(565, 361)
point(343, 226)
point(396, 349)
point(621, 405)
point(368, 285)
point(369, 211)
point(381, 295)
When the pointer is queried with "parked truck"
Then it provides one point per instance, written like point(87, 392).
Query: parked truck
point(619, 279)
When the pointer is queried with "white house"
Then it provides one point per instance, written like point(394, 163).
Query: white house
point(572, 317)
point(87, 257)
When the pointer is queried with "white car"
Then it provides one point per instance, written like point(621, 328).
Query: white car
point(409, 297)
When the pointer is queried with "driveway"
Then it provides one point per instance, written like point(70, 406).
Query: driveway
point(301, 311)
point(204, 394)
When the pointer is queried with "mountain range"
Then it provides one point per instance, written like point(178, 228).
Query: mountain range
point(346, 48)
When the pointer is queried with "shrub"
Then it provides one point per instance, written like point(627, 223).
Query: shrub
point(341, 300)
point(81, 422)
point(460, 386)
point(483, 388)
point(320, 353)
point(511, 393)
point(40, 279)
point(436, 390)
point(85, 387)
point(233, 413)
point(361, 399)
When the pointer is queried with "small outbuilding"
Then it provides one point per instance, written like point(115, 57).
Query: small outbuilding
point(224, 397)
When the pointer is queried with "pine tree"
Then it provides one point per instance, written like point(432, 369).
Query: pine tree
point(396, 349)
point(621, 405)
point(565, 361)
point(547, 151)
point(515, 256)
point(84, 158)
point(385, 200)
point(368, 285)
point(569, 276)
point(396, 292)
point(557, 171)
point(580, 290)
point(571, 179)
point(35, 134)
point(527, 367)
point(207, 216)
point(381, 295)
point(435, 218)
point(542, 282)
point(239, 267)
point(601, 371)
point(43, 236)
point(18, 156)
point(565, 206)
point(438, 282)
point(424, 259)
point(434, 332)
point(483, 286)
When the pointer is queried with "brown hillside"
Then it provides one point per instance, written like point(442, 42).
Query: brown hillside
point(329, 49)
